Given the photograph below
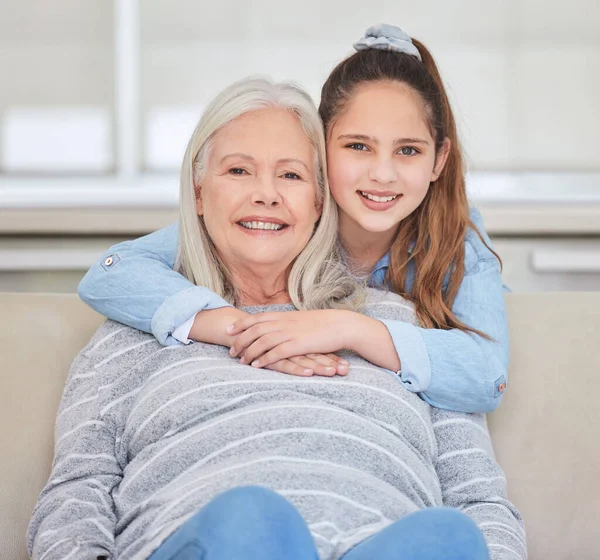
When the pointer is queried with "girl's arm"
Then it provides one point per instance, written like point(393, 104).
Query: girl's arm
point(449, 369)
point(453, 369)
point(134, 283)
point(265, 338)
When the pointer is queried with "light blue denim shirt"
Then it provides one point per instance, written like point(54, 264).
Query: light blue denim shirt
point(134, 283)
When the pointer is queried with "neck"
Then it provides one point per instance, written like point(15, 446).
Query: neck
point(259, 286)
point(364, 248)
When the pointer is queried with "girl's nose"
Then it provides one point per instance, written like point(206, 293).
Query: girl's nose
point(383, 171)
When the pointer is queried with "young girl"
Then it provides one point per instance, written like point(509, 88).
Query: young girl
point(395, 169)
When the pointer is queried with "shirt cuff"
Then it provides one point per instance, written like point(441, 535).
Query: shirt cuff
point(182, 332)
point(415, 368)
point(177, 309)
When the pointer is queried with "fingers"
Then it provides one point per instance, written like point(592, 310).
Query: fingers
point(267, 350)
point(320, 365)
point(331, 362)
point(249, 336)
point(305, 366)
point(249, 321)
point(289, 367)
point(284, 351)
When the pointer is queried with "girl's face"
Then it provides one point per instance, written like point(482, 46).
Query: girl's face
point(381, 157)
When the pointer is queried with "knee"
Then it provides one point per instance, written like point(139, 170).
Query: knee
point(456, 529)
point(252, 499)
point(253, 505)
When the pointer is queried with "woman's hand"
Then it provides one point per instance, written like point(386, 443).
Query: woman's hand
point(264, 339)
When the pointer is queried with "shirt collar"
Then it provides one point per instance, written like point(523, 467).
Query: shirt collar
point(384, 262)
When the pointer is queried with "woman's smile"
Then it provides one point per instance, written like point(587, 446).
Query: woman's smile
point(259, 226)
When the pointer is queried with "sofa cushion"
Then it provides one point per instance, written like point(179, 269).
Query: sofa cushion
point(39, 337)
point(545, 433)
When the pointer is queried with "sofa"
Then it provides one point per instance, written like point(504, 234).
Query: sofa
point(545, 433)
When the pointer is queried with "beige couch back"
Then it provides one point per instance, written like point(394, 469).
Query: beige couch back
point(546, 432)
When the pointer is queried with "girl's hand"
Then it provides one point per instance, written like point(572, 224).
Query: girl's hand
point(264, 339)
point(326, 365)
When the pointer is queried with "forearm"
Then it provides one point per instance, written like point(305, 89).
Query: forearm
point(76, 523)
point(370, 339)
point(211, 326)
point(473, 482)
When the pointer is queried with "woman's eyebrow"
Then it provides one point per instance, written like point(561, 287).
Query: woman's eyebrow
point(293, 160)
point(238, 155)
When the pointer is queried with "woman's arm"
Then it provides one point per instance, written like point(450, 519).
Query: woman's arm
point(74, 516)
point(473, 482)
point(453, 369)
point(134, 283)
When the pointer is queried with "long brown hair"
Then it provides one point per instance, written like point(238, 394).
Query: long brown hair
point(439, 225)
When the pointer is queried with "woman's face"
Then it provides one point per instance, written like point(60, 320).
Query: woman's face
point(259, 193)
point(381, 157)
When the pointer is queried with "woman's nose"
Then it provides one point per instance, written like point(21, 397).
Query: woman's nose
point(383, 171)
point(266, 193)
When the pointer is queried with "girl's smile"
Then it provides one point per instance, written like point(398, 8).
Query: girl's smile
point(379, 200)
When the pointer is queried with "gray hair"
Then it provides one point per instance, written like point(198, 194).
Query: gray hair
point(317, 279)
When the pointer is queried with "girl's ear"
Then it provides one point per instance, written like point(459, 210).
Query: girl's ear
point(440, 159)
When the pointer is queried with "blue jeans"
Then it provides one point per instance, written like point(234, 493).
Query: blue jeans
point(252, 522)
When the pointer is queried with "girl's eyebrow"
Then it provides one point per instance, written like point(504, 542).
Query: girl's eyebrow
point(366, 138)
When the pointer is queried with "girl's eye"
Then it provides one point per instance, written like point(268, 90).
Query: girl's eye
point(291, 175)
point(408, 151)
point(237, 171)
point(357, 146)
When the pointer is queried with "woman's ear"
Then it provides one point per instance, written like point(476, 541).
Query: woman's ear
point(199, 206)
point(440, 159)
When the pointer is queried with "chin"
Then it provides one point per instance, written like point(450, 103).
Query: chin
point(378, 226)
point(271, 259)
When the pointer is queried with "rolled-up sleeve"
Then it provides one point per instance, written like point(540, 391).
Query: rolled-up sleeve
point(134, 283)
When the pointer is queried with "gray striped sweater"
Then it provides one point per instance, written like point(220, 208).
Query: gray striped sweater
point(146, 435)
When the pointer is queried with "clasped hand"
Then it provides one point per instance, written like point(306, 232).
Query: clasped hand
point(294, 342)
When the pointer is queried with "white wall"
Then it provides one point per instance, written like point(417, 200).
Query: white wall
point(524, 74)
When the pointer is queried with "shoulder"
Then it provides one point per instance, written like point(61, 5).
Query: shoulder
point(383, 304)
point(113, 338)
point(476, 251)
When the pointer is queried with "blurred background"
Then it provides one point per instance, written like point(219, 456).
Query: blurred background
point(98, 100)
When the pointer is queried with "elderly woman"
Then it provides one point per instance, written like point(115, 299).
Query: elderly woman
point(184, 452)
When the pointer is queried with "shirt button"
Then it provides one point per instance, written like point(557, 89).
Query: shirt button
point(501, 387)
point(108, 261)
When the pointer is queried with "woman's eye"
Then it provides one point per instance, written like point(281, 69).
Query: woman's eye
point(408, 151)
point(237, 171)
point(291, 175)
point(357, 146)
